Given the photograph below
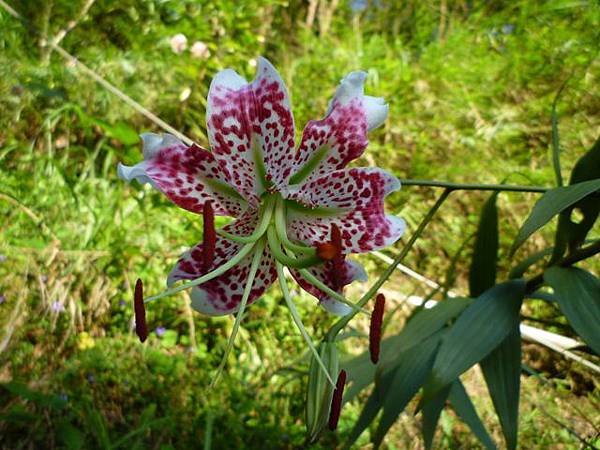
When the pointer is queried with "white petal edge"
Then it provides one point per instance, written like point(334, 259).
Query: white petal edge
point(200, 303)
point(334, 307)
point(353, 86)
point(376, 111)
point(398, 226)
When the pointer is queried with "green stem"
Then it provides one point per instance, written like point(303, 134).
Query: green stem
point(342, 322)
point(281, 228)
point(298, 320)
point(258, 253)
point(474, 187)
point(244, 251)
point(279, 255)
point(265, 215)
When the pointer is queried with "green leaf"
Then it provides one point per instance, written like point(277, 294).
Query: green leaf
point(432, 408)
point(395, 387)
point(552, 203)
point(70, 436)
point(571, 234)
point(410, 374)
point(578, 295)
point(478, 331)
point(519, 270)
point(482, 273)
point(556, 140)
point(422, 325)
point(460, 401)
point(502, 372)
point(427, 322)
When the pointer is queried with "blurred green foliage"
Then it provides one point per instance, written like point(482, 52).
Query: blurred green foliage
point(470, 87)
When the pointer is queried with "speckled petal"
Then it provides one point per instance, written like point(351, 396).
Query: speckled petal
point(353, 271)
point(189, 176)
point(222, 295)
point(343, 132)
point(352, 199)
point(242, 116)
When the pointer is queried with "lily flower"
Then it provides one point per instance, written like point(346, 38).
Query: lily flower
point(301, 209)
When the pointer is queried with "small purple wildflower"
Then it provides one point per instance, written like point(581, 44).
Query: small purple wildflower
point(3, 258)
point(122, 303)
point(57, 307)
point(358, 6)
point(160, 331)
point(91, 378)
point(2, 299)
point(64, 397)
point(508, 28)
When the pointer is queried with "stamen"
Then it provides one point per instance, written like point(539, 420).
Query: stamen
point(209, 236)
point(258, 253)
point(244, 251)
point(336, 401)
point(298, 321)
point(375, 329)
point(283, 258)
point(141, 329)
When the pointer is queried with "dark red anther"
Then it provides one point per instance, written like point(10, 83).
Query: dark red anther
point(375, 330)
point(210, 236)
point(336, 401)
point(141, 329)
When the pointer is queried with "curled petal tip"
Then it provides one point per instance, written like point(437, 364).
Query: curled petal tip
point(141, 329)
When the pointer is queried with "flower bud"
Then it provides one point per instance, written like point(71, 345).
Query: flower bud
point(320, 390)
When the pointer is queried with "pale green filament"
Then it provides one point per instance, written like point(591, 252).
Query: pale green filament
point(280, 256)
point(310, 278)
point(265, 220)
point(280, 227)
point(244, 251)
point(298, 320)
point(258, 253)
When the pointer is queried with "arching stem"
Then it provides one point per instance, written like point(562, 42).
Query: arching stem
point(298, 320)
point(244, 251)
point(258, 253)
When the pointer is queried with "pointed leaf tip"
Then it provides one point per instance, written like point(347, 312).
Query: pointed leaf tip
point(141, 329)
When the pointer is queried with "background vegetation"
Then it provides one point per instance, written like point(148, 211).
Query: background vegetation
point(470, 87)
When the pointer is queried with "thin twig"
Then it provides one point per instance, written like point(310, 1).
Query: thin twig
point(474, 186)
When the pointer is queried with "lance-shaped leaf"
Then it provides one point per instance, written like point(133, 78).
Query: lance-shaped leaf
point(409, 376)
point(552, 203)
point(478, 331)
point(422, 325)
point(395, 387)
point(571, 234)
point(460, 401)
point(431, 409)
point(482, 274)
point(578, 294)
point(502, 372)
